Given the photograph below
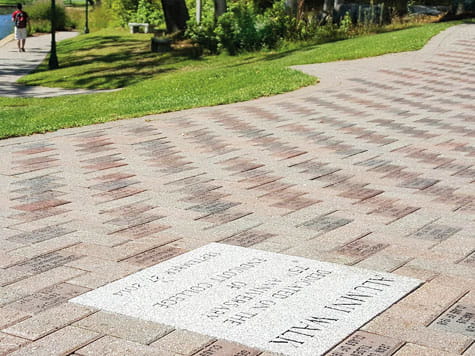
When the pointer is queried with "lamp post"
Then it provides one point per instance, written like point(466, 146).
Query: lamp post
point(53, 59)
point(86, 26)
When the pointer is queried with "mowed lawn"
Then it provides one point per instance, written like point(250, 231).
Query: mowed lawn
point(156, 83)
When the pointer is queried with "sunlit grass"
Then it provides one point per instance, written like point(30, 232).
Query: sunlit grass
point(155, 83)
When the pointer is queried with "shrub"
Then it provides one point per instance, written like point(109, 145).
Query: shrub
point(236, 30)
point(101, 17)
point(203, 34)
point(148, 12)
point(40, 16)
point(74, 17)
point(119, 11)
point(243, 28)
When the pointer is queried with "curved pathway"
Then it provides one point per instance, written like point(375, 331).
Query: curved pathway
point(374, 167)
point(14, 65)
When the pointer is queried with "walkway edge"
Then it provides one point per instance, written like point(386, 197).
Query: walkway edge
point(5, 40)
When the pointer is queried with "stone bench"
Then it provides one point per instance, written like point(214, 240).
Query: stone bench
point(134, 27)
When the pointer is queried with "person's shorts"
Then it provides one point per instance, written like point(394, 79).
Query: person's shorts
point(20, 33)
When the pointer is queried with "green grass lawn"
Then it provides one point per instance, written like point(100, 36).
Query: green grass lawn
point(156, 83)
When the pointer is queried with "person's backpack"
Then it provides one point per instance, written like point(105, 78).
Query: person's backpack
point(20, 19)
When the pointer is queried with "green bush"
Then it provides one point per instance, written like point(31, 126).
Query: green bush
point(203, 34)
point(236, 30)
point(148, 12)
point(102, 17)
point(243, 28)
point(119, 11)
point(40, 16)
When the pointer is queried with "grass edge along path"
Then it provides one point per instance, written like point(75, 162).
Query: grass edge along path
point(242, 78)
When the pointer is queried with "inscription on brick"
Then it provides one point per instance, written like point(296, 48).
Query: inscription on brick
point(213, 207)
point(48, 298)
point(49, 232)
point(361, 249)
point(266, 301)
point(224, 348)
point(248, 238)
point(435, 232)
point(155, 255)
point(469, 260)
point(326, 223)
point(419, 183)
point(45, 262)
point(224, 217)
point(458, 319)
point(363, 343)
point(139, 231)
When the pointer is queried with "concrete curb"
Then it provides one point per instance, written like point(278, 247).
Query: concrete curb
point(7, 39)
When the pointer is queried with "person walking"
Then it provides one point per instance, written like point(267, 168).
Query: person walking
point(20, 19)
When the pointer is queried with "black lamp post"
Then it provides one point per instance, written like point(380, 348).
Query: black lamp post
point(53, 59)
point(86, 26)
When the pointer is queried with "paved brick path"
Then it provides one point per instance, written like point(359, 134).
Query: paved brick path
point(374, 167)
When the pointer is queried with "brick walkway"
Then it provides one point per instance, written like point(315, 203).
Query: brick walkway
point(374, 167)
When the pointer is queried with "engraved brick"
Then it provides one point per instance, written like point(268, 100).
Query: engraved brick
point(361, 248)
point(419, 183)
point(112, 346)
point(119, 193)
point(143, 230)
point(9, 343)
point(42, 234)
point(362, 343)
point(361, 194)
point(44, 204)
point(436, 232)
point(417, 350)
point(247, 238)
point(48, 321)
point(225, 348)
point(154, 256)
point(326, 223)
point(45, 279)
point(44, 262)
point(62, 342)
point(183, 342)
point(11, 316)
point(460, 318)
point(47, 298)
point(117, 325)
point(224, 217)
point(469, 260)
point(213, 207)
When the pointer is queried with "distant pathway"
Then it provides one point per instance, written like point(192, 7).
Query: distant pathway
point(374, 167)
point(14, 65)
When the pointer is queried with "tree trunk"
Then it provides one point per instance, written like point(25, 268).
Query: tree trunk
point(176, 15)
point(220, 8)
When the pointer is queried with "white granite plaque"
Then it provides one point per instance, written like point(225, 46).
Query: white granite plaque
point(274, 302)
